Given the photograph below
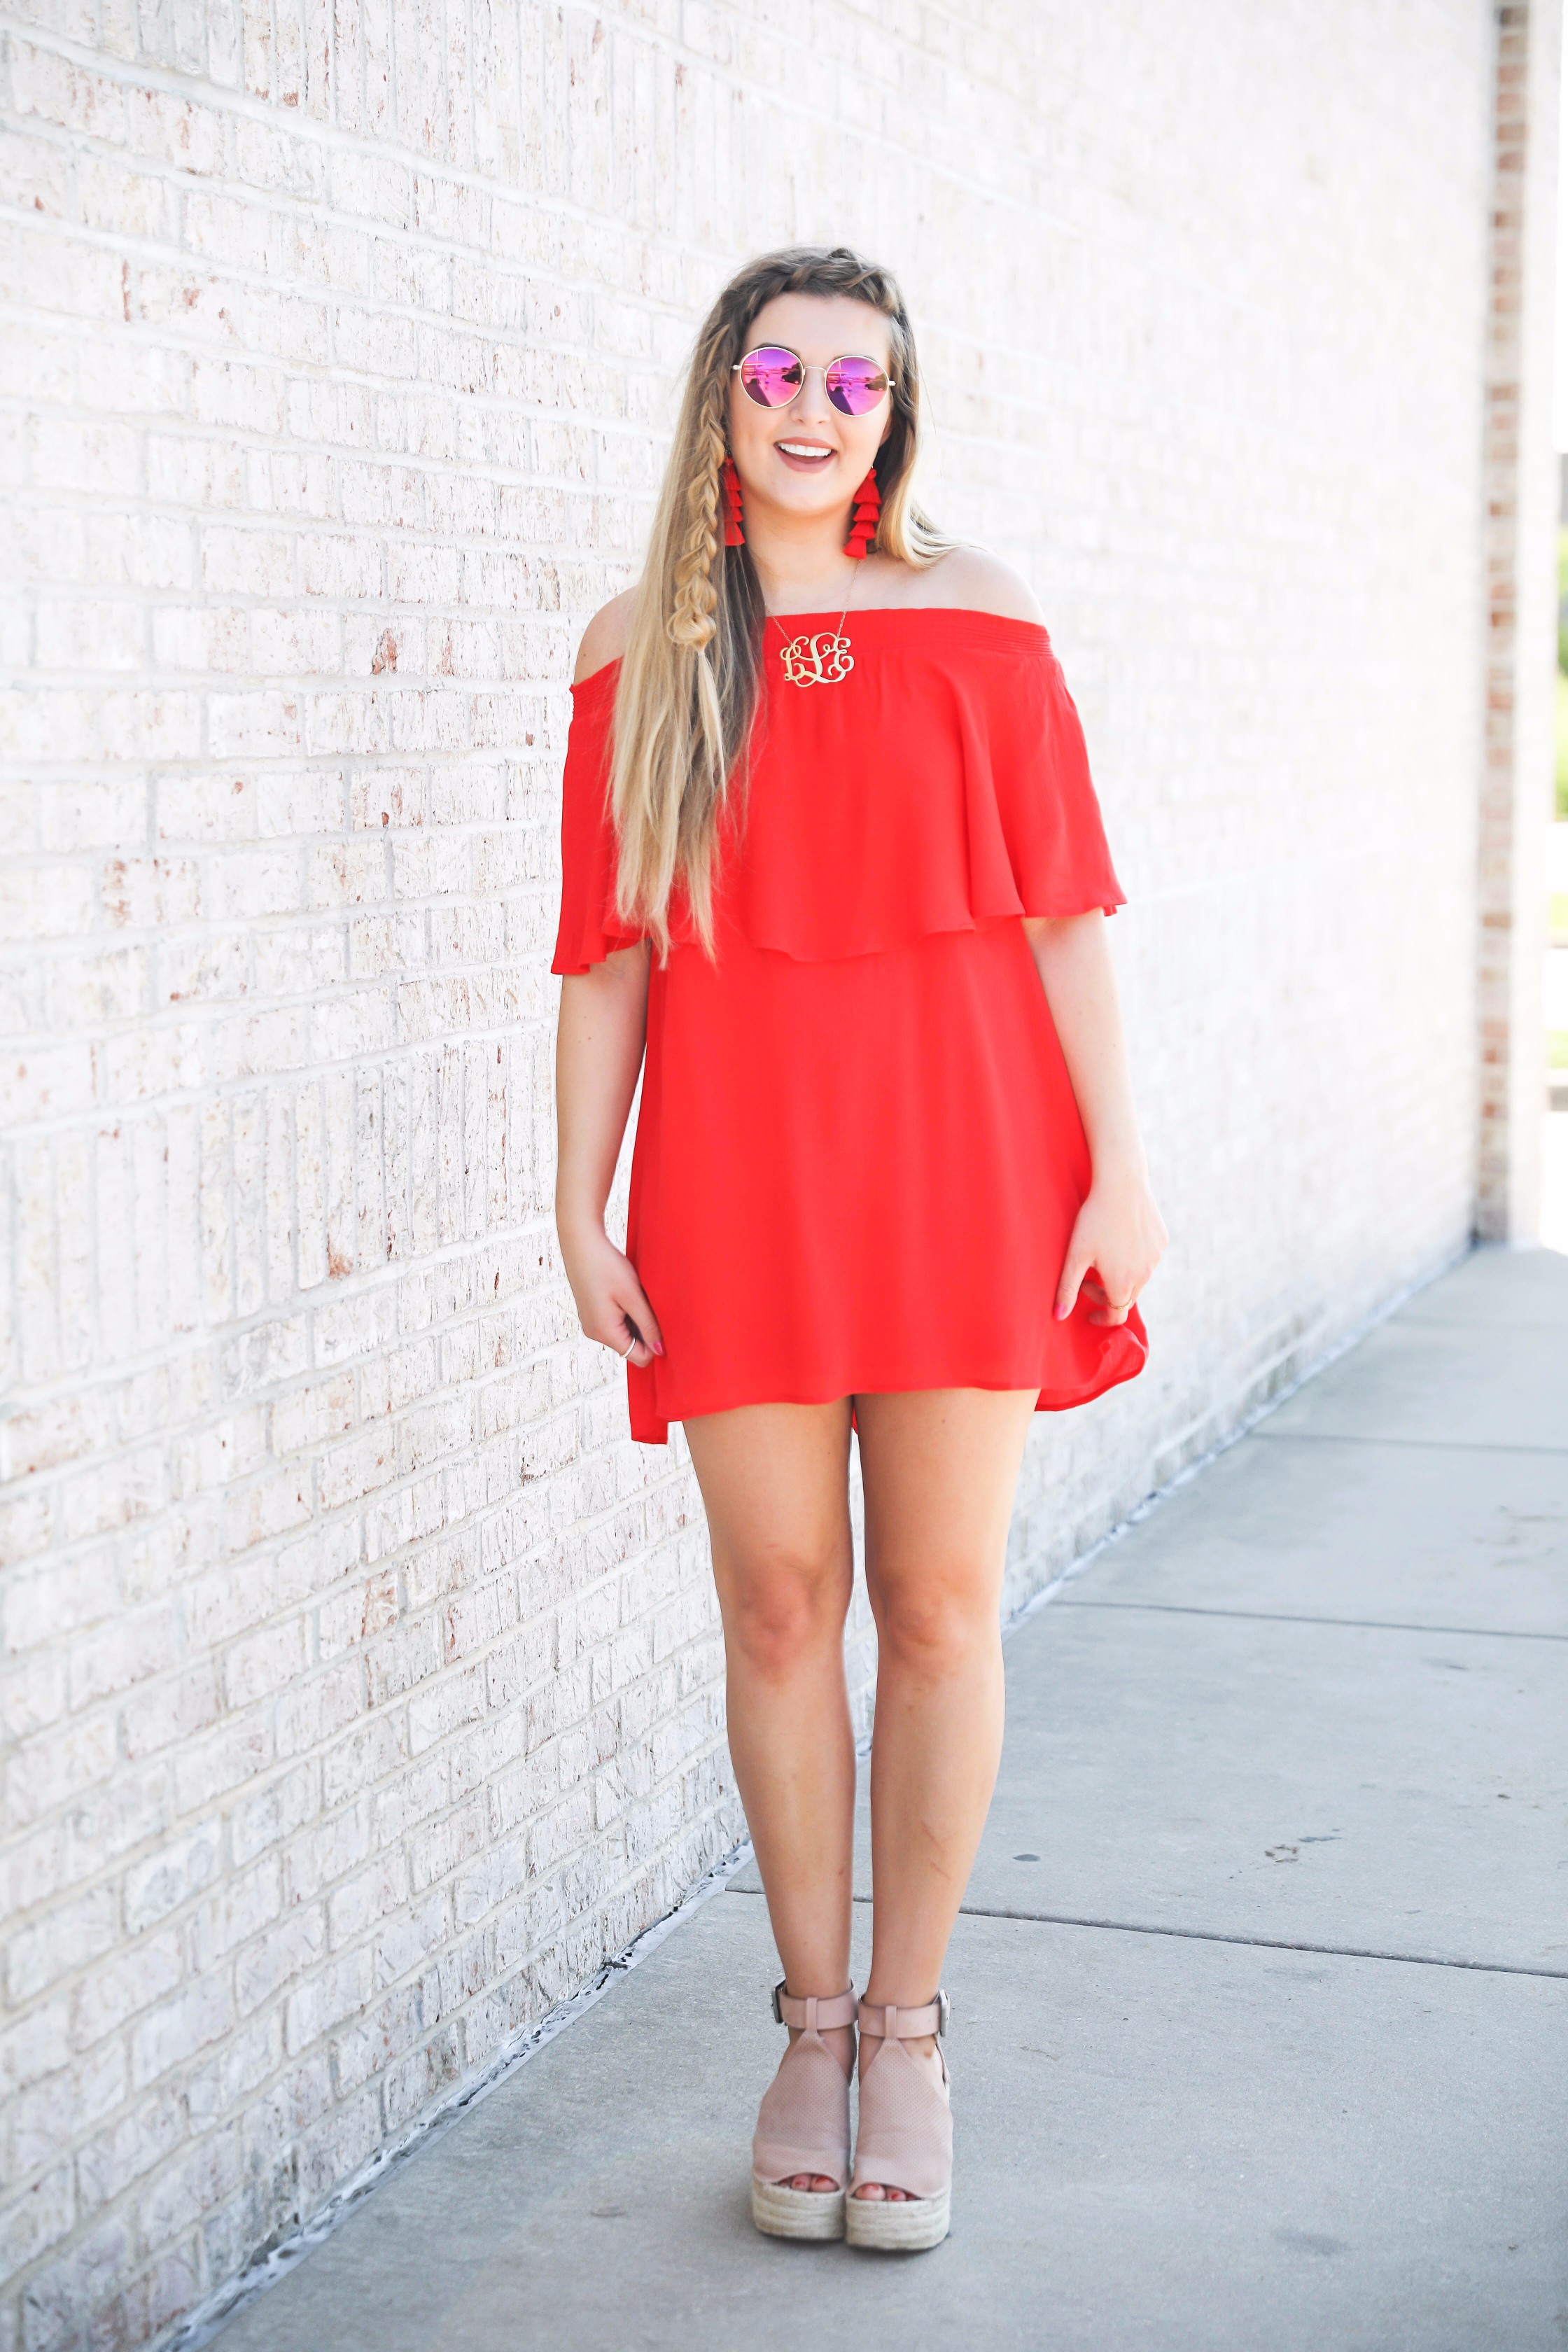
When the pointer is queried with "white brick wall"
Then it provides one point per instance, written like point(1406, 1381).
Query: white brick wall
point(362, 1680)
point(1521, 493)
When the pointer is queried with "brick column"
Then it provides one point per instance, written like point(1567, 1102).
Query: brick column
point(1520, 559)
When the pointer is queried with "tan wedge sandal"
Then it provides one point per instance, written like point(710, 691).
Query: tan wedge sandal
point(804, 2124)
point(905, 2138)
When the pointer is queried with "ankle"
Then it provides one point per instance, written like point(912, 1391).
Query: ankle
point(918, 2045)
point(921, 2045)
point(840, 2040)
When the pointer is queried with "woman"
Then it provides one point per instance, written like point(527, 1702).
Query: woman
point(833, 864)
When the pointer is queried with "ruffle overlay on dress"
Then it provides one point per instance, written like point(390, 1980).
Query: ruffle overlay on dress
point(966, 799)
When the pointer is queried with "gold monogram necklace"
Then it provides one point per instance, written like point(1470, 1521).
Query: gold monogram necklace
point(821, 660)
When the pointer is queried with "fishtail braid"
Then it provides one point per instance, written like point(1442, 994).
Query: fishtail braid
point(692, 620)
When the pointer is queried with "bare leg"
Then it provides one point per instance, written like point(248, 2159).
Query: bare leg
point(940, 1468)
point(774, 1481)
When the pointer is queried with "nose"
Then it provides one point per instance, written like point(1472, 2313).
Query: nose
point(807, 402)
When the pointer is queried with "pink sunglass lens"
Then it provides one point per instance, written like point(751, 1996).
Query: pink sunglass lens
point(772, 376)
point(856, 385)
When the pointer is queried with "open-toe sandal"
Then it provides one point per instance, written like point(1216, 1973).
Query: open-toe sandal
point(804, 2124)
point(905, 2137)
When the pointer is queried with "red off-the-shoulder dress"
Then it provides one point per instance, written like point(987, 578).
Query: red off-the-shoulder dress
point(858, 1157)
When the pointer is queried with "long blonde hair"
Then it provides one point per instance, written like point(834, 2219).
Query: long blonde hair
point(687, 688)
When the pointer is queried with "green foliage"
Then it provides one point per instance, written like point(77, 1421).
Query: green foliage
point(1561, 749)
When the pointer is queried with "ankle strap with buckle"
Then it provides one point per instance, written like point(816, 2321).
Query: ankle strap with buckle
point(812, 2015)
point(905, 2024)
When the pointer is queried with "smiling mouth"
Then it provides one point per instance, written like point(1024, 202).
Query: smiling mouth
point(812, 452)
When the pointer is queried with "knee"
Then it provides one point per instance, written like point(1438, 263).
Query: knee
point(939, 1625)
point(784, 1609)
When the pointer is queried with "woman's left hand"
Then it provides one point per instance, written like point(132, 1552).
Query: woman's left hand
point(1115, 1247)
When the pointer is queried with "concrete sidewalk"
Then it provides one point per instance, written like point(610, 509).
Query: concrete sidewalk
point(1260, 1990)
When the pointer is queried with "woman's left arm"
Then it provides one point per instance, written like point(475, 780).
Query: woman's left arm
point(1119, 1234)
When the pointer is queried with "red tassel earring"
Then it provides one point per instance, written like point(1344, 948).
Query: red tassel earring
point(730, 493)
point(868, 510)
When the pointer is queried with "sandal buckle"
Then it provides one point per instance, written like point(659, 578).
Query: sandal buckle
point(778, 1989)
point(943, 2014)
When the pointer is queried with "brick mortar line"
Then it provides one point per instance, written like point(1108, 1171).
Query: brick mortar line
point(65, 1126)
point(319, 684)
point(306, 1459)
point(288, 1386)
point(307, 686)
point(263, 1401)
point(176, 425)
point(338, 914)
point(390, 1060)
point(327, 1516)
point(146, 246)
point(342, 913)
point(172, 425)
point(146, 250)
point(285, 1387)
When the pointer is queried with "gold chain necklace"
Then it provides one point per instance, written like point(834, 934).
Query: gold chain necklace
point(821, 660)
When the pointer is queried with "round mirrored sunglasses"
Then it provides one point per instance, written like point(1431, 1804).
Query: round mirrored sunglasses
point(773, 376)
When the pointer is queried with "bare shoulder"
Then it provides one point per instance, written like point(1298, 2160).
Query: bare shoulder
point(970, 580)
point(605, 638)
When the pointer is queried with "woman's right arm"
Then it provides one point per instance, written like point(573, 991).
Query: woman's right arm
point(598, 1053)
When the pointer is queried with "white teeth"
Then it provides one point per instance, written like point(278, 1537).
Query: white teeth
point(803, 449)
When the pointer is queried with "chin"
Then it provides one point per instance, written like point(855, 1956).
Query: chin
point(801, 508)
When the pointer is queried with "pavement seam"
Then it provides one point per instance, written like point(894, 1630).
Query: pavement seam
point(1421, 1444)
point(1219, 1936)
point(1419, 1321)
point(1263, 1943)
point(1293, 1617)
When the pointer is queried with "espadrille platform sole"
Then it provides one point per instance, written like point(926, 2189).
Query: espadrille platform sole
point(811, 2214)
point(896, 2225)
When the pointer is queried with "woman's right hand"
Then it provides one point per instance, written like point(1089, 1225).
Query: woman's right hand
point(612, 1305)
